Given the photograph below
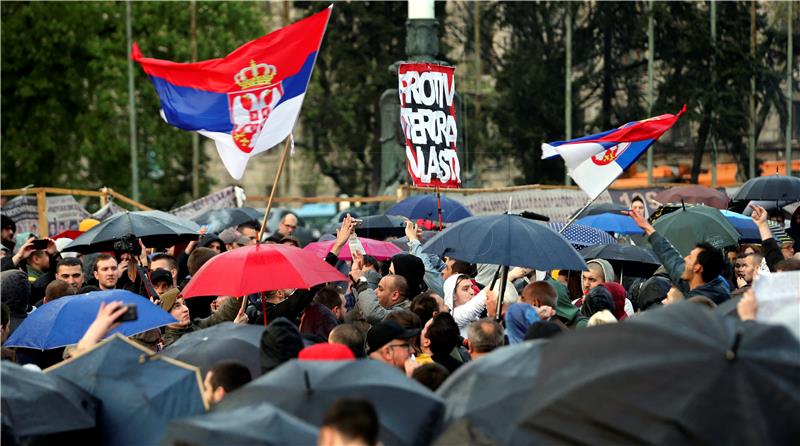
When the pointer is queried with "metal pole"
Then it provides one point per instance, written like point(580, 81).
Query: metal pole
point(751, 152)
point(195, 136)
point(789, 91)
point(568, 85)
point(132, 108)
point(650, 56)
point(713, 86)
point(577, 214)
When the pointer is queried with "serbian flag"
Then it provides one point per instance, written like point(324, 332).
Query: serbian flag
point(248, 101)
point(595, 161)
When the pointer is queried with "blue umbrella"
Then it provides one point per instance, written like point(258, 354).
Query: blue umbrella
point(427, 207)
point(65, 320)
point(610, 222)
point(744, 225)
point(262, 424)
point(140, 391)
point(508, 240)
point(581, 236)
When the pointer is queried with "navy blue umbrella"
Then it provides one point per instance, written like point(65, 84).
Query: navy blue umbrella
point(219, 219)
point(222, 342)
point(64, 321)
point(508, 240)
point(35, 403)
point(627, 260)
point(581, 236)
point(140, 391)
point(427, 207)
point(409, 413)
point(262, 424)
point(611, 222)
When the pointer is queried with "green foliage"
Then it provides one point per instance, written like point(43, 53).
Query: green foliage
point(65, 97)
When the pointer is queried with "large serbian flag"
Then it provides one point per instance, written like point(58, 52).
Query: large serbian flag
point(248, 101)
point(595, 161)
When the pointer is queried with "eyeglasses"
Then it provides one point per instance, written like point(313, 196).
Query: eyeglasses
point(290, 226)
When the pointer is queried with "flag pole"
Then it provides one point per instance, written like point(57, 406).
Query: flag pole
point(274, 186)
point(578, 214)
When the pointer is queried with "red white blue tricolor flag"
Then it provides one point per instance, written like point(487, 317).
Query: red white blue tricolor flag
point(595, 161)
point(248, 101)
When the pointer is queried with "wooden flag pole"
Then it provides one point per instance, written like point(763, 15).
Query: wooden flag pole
point(274, 186)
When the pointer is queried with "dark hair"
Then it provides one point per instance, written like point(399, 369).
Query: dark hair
point(56, 289)
point(101, 257)
point(485, 335)
point(443, 334)
point(249, 224)
point(69, 261)
point(5, 314)
point(328, 296)
point(404, 318)
point(164, 256)
point(710, 258)
point(542, 330)
point(461, 267)
point(598, 299)
point(431, 375)
point(230, 375)
point(788, 265)
point(400, 284)
point(351, 337)
point(371, 261)
point(425, 306)
point(198, 258)
point(353, 419)
point(7, 222)
point(87, 289)
point(637, 198)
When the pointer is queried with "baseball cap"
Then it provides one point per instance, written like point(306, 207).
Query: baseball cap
point(231, 235)
point(168, 299)
point(385, 332)
point(160, 275)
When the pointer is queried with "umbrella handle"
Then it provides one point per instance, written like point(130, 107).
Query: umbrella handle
point(504, 279)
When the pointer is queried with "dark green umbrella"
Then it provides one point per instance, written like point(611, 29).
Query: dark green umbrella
point(35, 403)
point(682, 374)
point(140, 391)
point(259, 425)
point(688, 226)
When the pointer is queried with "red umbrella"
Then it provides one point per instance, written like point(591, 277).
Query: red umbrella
point(695, 195)
point(70, 234)
point(257, 268)
point(375, 248)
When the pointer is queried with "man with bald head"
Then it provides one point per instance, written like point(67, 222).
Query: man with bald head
point(540, 294)
point(375, 305)
point(286, 228)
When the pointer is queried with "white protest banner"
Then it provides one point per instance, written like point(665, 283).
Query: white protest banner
point(225, 198)
point(428, 118)
point(63, 213)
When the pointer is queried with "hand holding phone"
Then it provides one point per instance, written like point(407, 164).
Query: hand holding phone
point(131, 314)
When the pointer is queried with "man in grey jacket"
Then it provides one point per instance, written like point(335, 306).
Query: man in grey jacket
point(375, 305)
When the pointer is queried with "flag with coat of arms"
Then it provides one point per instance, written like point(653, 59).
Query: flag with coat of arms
point(595, 161)
point(248, 101)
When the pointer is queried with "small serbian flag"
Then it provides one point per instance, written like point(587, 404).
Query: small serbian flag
point(595, 161)
point(248, 101)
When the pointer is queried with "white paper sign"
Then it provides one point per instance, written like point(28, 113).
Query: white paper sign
point(775, 292)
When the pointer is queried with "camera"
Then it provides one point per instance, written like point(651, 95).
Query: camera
point(128, 243)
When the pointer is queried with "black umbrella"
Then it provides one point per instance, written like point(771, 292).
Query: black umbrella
point(626, 259)
point(769, 188)
point(219, 219)
point(262, 424)
point(682, 374)
point(223, 342)
point(601, 208)
point(140, 391)
point(381, 227)
point(408, 412)
point(491, 392)
point(155, 228)
point(35, 403)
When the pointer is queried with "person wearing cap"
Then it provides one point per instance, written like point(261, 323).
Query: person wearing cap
point(7, 230)
point(389, 343)
point(162, 280)
point(173, 303)
point(233, 239)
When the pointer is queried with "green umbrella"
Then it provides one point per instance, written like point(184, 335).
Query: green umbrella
point(688, 226)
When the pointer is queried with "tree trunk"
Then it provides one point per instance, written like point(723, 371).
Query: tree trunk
point(700, 146)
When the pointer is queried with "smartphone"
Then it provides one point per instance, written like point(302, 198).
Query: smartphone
point(130, 314)
point(358, 221)
point(40, 244)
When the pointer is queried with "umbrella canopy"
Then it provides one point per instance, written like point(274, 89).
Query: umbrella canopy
point(35, 403)
point(222, 342)
point(408, 412)
point(140, 391)
point(402, 242)
point(64, 321)
point(427, 207)
point(261, 267)
point(694, 194)
point(380, 227)
point(744, 226)
point(262, 424)
point(490, 393)
point(627, 260)
point(375, 248)
point(688, 226)
point(616, 223)
point(70, 234)
point(601, 208)
point(219, 219)
point(682, 374)
point(508, 240)
point(769, 188)
point(581, 236)
point(156, 229)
